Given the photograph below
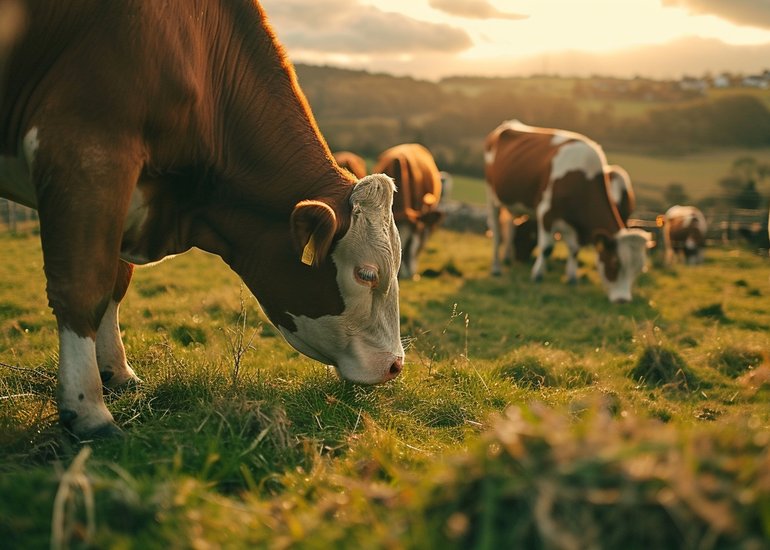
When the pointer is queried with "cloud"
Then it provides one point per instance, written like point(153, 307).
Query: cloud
point(473, 9)
point(348, 27)
point(752, 13)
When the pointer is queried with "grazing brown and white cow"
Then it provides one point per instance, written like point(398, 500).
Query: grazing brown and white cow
point(519, 234)
point(684, 234)
point(415, 205)
point(142, 129)
point(351, 162)
point(559, 177)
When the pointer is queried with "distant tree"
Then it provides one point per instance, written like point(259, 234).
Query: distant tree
point(740, 185)
point(749, 197)
point(674, 193)
point(747, 169)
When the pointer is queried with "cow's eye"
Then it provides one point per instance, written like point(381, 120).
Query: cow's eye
point(367, 275)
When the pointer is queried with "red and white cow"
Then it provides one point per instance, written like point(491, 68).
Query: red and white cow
point(559, 177)
point(142, 129)
point(519, 234)
point(415, 205)
point(351, 162)
point(684, 234)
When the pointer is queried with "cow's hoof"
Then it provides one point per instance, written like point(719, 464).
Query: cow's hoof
point(572, 281)
point(108, 431)
point(68, 417)
point(538, 278)
point(496, 274)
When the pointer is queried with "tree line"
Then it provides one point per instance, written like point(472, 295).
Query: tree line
point(368, 113)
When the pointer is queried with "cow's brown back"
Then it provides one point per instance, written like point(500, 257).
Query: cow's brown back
point(519, 173)
point(417, 179)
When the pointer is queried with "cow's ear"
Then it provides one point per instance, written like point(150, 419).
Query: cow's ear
point(603, 240)
point(313, 225)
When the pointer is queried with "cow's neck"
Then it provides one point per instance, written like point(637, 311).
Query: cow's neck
point(250, 152)
point(272, 155)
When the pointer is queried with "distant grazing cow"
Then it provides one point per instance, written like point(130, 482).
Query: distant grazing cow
point(520, 239)
point(559, 177)
point(351, 162)
point(415, 204)
point(142, 129)
point(684, 234)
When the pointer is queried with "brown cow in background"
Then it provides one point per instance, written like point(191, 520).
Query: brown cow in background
point(351, 162)
point(684, 234)
point(415, 205)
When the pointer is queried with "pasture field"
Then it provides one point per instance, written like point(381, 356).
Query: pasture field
point(699, 174)
point(528, 416)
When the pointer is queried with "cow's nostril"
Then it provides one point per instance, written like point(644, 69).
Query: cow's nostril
point(396, 367)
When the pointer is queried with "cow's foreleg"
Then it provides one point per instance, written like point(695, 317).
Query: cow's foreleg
point(110, 353)
point(83, 198)
point(406, 233)
point(493, 222)
point(544, 248)
point(573, 246)
point(508, 228)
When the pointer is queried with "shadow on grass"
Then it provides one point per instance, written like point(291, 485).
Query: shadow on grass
point(491, 315)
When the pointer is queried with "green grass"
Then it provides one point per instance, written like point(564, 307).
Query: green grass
point(520, 421)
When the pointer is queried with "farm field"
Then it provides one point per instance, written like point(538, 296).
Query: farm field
point(528, 416)
point(698, 173)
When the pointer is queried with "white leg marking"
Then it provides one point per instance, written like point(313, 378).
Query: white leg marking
point(493, 222)
point(110, 353)
point(544, 238)
point(80, 389)
point(30, 145)
point(570, 239)
point(414, 249)
point(407, 234)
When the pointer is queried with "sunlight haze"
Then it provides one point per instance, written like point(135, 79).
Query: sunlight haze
point(435, 38)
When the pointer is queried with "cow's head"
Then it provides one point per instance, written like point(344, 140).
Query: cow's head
point(620, 259)
point(334, 294)
point(693, 243)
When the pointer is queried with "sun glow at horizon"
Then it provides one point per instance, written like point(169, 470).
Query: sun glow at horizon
point(595, 26)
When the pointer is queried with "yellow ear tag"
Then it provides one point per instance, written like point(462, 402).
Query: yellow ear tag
point(308, 253)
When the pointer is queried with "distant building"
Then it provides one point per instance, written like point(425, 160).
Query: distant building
point(691, 84)
point(721, 81)
point(760, 81)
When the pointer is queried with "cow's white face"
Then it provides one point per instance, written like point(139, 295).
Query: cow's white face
point(363, 342)
point(620, 260)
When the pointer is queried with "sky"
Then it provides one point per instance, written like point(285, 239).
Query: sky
point(436, 38)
